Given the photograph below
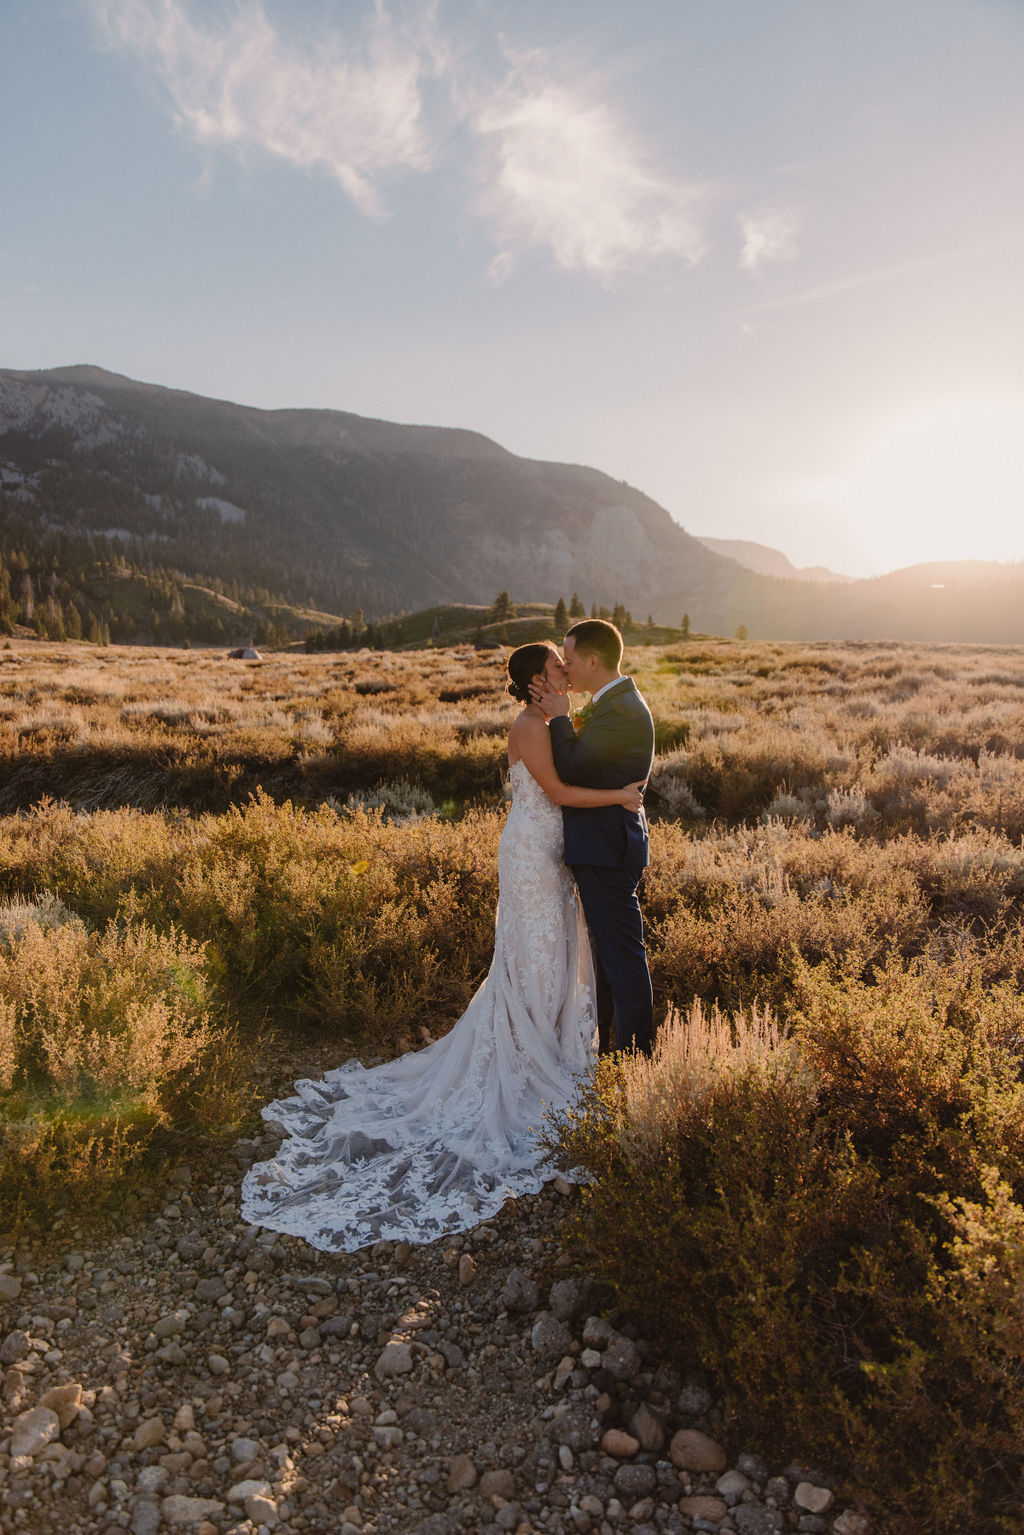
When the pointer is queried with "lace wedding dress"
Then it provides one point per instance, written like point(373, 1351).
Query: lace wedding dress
point(435, 1142)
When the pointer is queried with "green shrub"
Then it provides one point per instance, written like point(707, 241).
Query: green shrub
point(830, 1219)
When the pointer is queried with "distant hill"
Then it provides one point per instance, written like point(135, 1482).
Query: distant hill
point(289, 513)
point(769, 561)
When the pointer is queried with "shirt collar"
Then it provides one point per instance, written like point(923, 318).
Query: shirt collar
point(607, 688)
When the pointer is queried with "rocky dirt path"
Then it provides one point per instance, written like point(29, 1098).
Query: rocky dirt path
point(188, 1372)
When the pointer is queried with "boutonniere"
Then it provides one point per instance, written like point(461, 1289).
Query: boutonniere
point(580, 716)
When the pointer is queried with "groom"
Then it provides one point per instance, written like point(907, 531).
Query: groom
point(610, 744)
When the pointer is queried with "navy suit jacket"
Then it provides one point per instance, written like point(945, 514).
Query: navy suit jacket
point(614, 747)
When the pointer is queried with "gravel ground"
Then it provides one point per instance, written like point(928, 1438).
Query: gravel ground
point(185, 1371)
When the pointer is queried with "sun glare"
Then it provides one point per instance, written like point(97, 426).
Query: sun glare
point(941, 480)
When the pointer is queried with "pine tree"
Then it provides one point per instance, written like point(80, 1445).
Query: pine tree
point(502, 609)
point(576, 608)
point(561, 615)
point(685, 626)
point(619, 616)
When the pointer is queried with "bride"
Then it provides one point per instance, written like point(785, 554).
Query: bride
point(435, 1142)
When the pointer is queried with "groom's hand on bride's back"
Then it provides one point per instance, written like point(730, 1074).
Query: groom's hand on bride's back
point(550, 700)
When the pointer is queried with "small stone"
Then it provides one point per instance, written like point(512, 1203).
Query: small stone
point(550, 1337)
point(309, 1338)
point(172, 1325)
point(732, 1485)
point(65, 1401)
point(621, 1358)
point(578, 1428)
point(565, 1299)
point(647, 1428)
point(752, 1519)
point(498, 1484)
point(590, 1359)
point(15, 1347)
point(633, 1481)
point(395, 1359)
point(615, 1441)
point(211, 1289)
point(145, 1517)
point(561, 1186)
point(262, 1509)
point(563, 1370)
point(180, 1511)
point(152, 1478)
point(244, 1450)
point(467, 1269)
point(33, 1431)
point(217, 1364)
point(185, 1418)
point(851, 1523)
point(74, 1263)
point(277, 1327)
point(520, 1293)
point(247, 1489)
point(597, 1333)
point(148, 1434)
point(815, 1500)
point(691, 1450)
point(10, 1286)
point(702, 1506)
point(461, 1474)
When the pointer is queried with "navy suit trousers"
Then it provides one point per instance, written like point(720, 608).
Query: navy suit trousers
point(612, 910)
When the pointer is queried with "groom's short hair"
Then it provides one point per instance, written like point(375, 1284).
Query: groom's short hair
point(597, 637)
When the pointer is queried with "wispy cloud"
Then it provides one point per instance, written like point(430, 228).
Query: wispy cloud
point(867, 279)
point(559, 169)
point(562, 173)
point(769, 235)
point(236, 83)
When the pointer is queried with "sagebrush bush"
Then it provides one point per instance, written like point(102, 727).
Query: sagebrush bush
point(829, 1217)
point(104, 1036)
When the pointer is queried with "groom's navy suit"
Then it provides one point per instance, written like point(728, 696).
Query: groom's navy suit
point(607, 850)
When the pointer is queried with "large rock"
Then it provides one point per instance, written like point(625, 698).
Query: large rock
point(565, 1299)
point(520, 1293)
point(10, 1286)
point(551, 1338)
point(691, 1450)
point(461, 1474)
point(395, 1359)
point(753, 1519)
point(180, 1512)
point(621, 1358)
point(33, 1431)
point(15, 1347)
point(65, 1401)
point(634, 1481)
point(700, 1505)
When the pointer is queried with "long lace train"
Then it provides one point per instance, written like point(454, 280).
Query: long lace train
point(435, 1142)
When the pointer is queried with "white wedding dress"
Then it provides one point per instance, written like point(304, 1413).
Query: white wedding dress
point(435, 1142)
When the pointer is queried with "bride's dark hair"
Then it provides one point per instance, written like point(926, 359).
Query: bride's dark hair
point(523, 665)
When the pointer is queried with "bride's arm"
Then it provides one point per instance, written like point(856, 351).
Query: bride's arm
point(533, 743)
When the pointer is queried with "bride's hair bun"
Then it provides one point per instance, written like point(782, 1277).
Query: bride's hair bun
point(523, 665)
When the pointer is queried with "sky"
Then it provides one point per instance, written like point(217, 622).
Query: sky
point(761, 261)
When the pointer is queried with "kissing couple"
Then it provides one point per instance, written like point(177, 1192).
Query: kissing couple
point(436, 1141)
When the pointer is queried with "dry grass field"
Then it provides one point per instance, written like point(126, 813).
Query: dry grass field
point(820, 1185)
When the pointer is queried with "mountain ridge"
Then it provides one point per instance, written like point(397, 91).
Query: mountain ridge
point(335, 511)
